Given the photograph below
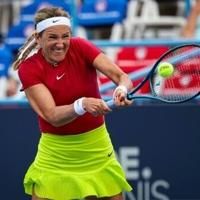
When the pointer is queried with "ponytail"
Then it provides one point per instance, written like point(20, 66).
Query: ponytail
point(25, 51)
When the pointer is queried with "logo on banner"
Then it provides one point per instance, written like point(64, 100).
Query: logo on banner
point(145, 186)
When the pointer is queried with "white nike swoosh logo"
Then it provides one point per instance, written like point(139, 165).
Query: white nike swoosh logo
point(59, 77)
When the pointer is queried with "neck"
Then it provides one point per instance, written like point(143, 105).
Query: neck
point(53, 63)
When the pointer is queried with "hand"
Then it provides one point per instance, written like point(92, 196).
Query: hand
point(120, 97)
point(95, 106)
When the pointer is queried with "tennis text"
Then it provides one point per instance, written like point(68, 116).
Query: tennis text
point(145, 187)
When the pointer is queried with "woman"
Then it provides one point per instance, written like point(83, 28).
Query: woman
point(75, 157)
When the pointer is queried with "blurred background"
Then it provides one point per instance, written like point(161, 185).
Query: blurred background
point(134, 33)
point(157, 144)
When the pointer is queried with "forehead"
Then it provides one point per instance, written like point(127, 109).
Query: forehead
point(57, 30)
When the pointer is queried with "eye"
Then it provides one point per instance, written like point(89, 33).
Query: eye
point(52, 37)
point(66, 36)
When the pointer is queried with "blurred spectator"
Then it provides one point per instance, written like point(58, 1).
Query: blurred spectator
point(5, 61)
point(192, 26)
point(13, 85)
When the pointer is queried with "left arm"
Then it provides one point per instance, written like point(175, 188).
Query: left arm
point(113, 72)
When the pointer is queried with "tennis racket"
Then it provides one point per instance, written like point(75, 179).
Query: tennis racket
point(181, 86)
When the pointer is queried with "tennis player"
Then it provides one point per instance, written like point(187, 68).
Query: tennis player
point(75, 157)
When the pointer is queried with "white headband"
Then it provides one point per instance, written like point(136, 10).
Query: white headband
point(53, 21)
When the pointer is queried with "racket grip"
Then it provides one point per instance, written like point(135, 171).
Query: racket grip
point(111, 104)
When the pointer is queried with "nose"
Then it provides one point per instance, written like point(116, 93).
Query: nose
point(60, 42)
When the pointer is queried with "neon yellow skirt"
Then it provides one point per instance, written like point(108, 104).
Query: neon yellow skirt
point(75, 166)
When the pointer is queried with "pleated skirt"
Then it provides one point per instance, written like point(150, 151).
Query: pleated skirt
point(75, 166)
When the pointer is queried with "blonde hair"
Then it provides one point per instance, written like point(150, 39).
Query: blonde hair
point(31, 45)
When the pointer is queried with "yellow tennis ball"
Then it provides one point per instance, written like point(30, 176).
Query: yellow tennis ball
point(165, 69)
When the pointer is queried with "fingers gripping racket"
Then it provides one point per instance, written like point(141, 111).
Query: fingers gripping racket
point(181, 85)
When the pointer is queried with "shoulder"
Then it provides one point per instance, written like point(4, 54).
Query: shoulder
point(30, 65)
point(75, 40)
point(84, 45)
point(30, 61)
point(31, 71)
point(78, 41)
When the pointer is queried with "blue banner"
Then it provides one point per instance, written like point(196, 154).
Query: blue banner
point(158, 147)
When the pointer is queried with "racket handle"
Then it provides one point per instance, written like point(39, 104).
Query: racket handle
point(111, 104)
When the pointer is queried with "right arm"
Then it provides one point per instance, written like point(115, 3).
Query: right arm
point(44, 105)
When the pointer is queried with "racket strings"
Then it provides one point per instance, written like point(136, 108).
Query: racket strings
point(184, 83)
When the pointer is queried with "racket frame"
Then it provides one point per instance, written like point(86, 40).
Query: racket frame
point(131, 96)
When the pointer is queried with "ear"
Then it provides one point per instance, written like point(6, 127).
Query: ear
point(37, 36)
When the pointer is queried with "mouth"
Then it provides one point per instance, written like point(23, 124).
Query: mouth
point(58, 55)
point(59, 51)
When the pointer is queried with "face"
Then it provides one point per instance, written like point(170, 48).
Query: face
point(54, 42)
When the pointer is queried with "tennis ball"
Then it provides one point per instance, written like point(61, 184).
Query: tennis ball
point(165, 69)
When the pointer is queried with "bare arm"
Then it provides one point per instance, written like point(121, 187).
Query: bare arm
point(112, 71)
point(115, 73)
point(190, 26)
point(43, 104)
